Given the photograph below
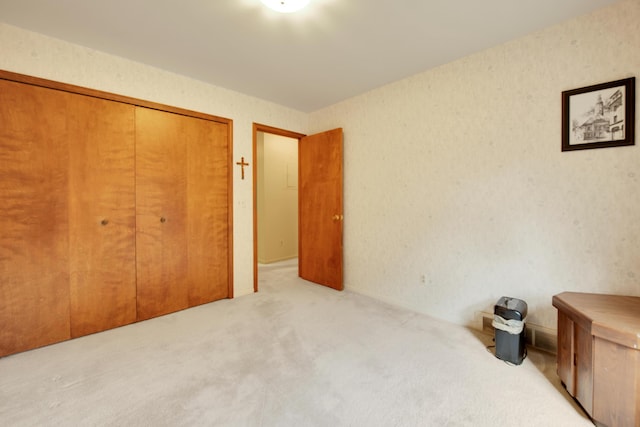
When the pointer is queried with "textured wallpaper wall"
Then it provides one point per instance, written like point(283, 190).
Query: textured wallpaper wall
point(33, 54)
point(457, 193)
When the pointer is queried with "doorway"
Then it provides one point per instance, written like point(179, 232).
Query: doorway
point(275, 196)
point(320, 205)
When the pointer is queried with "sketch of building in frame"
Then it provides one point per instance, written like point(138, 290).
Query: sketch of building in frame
point(599, 116)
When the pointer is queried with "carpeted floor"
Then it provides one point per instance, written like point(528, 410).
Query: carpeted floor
point(294, 354)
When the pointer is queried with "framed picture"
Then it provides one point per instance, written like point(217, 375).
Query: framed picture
point(599, 116)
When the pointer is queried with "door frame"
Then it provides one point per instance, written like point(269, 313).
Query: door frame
point(257, 127)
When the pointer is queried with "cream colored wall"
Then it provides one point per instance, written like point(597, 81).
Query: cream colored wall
point(33, 54)
point(456, 175)
point(277, 198)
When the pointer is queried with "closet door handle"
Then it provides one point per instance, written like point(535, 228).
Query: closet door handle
point(163, 219)
point(104, 222)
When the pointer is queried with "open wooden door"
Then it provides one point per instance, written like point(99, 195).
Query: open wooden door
point(321, 208)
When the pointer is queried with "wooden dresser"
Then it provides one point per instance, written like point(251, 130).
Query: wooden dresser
point(598, 357)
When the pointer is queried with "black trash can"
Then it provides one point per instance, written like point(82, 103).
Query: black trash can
point(508, 321)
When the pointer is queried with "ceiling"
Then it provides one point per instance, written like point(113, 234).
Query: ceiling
point(330, 51)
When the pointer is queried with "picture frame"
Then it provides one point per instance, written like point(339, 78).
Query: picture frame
point(599, 116)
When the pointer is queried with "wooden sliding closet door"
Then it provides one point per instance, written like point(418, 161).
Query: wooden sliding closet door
point(208, 211)
point(182, 181)
point(112, 210)
point(34, 244)
point(161, 212)
point(102, 214)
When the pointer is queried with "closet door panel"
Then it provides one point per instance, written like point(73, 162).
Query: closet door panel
point(161, 235)
point(34, 245)
point(208, 207)
point(102, 215)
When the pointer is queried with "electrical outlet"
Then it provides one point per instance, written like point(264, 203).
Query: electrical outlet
point(423, 278)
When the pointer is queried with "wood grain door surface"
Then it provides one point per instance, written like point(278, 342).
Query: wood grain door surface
point(207, 212)
point(110, 212)
point(161, 210)
point(34, 217)
point(182, 212)
point(321, 208)
point(101, 214)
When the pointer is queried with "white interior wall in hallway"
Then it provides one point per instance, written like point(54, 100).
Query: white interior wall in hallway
point(277, 197)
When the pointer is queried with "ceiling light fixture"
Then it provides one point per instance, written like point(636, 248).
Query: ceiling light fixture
point(285, 6)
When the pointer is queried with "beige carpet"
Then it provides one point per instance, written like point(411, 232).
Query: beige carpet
point(294, 354)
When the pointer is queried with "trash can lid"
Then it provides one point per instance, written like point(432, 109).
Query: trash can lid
point(511, 308)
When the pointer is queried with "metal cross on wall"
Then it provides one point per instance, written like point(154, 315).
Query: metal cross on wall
point(242, 164)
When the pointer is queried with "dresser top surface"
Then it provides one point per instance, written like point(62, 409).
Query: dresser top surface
point(612, 317)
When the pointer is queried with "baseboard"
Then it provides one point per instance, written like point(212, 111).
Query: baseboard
point(271, 261)
point(537, 336)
